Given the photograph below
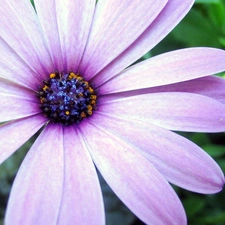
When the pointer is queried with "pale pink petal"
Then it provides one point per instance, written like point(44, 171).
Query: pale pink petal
point(21, 31)
point(46, 12)
point(115, 28)
point(74, 19)
point(82, 201)
point(136, 181)
point(171, 110)
point(12, 88)
point(15, 69)
point(168, 68)
point(179, 160)
point(211, 86)
point(70, 23)
point(37, 190)
point(15, 107)
point(175, 10)
point(15, 133)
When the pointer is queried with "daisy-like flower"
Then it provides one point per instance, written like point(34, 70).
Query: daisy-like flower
point(65, 69)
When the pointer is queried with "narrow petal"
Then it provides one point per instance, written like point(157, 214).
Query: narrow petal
point(211, 86)
point(82, 201)
point(180, 161)
point(175, 10)
point(36, 193)
point(10, 87)
point(74, 19)
point(171, 110)
point(18, 19)
point(136, 181)
point(15, 133)
point(168, 68)
point(48, 20)
point(116, 25)
point(13, 68)
point(15, 107)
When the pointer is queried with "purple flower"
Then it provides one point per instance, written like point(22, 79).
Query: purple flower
point(64, 68)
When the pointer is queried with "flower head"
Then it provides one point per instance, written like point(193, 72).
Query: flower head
point(64, 67)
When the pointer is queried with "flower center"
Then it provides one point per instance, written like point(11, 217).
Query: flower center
point(67, 98)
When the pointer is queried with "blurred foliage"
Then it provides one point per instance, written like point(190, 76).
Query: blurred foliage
point(203, 26)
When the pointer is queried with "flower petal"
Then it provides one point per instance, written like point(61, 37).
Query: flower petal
point(182, 162)
point(175, 10)
point(171, 110)
point(12, 88)
point(114, 29)
point(48, 20)
point(36, 193)
point(18, 19)
point(15, 133)
point(211, 86)
point(136, 181)
point(168, 68)
point(13, 68)
point(82, 201)
point(15, 107)
point(74, 19)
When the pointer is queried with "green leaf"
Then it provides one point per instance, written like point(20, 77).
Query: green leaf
point(215, 150)
point(221, 163)
point(200, 139)
point(216, 14)
point(222, 41)
point(193, 205)
point(207, 1)
point(217, 219)
point(147, 55)
point(196, 30)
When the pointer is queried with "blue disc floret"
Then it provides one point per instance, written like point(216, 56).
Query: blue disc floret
point(67, 98)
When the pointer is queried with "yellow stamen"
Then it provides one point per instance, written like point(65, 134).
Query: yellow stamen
point(83, 115)
point(72, 76)
point(89, 112)
point(45, 88)
point(52, 75)
point(86, 83)
point(89, 109)
point(79, 78)
point(42, 99)
point(93, 97)
point(91, 90)
point(93, 102)
point(80, 94)
point(67, 113)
